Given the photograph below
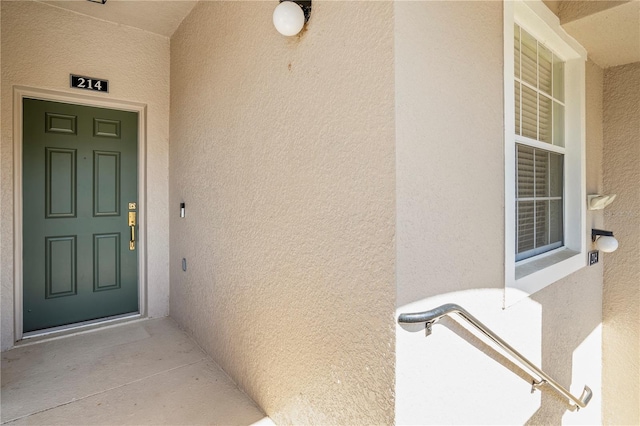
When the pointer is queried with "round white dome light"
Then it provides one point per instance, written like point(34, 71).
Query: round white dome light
point(607, 244)
point(288, 18)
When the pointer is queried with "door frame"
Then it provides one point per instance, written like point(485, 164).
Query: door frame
point(21, 92)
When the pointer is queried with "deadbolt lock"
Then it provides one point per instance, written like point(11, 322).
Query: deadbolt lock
point(132, 206)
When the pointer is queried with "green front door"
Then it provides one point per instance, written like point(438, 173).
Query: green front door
point(79, 178)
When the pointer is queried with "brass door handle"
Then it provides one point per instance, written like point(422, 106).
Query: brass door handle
point(132, 226)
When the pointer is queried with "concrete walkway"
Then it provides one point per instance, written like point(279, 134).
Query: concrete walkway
point(145, 373)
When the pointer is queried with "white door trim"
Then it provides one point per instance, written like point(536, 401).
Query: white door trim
point(21, 92)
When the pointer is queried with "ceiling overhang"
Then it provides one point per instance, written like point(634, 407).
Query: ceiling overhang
point(156, 16)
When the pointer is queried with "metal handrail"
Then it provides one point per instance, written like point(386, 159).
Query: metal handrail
point(430, 317)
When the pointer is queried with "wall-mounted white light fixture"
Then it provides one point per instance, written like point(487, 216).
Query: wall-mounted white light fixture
point(604, 240)
point(599, 202)
point(290, 16)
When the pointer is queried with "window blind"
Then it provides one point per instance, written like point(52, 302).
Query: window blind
point(539, 90)
point(539, 200)
point(539, 116)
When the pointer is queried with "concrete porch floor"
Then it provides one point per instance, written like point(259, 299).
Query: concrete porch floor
point(145, 372)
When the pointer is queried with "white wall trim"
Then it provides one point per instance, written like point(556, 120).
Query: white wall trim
point(21, 92)
point(539, 21)
point(509, 149)
point(547, 29)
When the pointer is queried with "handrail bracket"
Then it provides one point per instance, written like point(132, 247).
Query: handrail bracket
point(428, 328)
point(535, 384)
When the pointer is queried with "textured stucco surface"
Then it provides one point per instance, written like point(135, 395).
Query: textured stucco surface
point(157, 16)
point(621, 325)
point(569, 11)
point(450, 233)
point(41, 46)
point(283, 151)
point(612, 36)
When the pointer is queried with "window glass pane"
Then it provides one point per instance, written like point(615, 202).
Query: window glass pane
point(529, 62)
point(541, 173)
point(517, 105)
point(544, 69)
point(558, 79)
point(539, 115)
point(516, 51)
point(556, 170)
point(525, 171)
point(545, 117)
point(555, 222)
point(558, 124)
point(542, 223)
point(529, 113)
point(525, 227)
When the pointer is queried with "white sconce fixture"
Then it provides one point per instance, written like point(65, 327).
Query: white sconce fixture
point(599, 202)
point(604, 240)
point(290, 16)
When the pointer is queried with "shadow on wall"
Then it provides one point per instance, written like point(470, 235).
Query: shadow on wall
point(571, 336)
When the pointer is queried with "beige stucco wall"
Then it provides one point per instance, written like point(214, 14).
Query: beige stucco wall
point(41, 46)
point(572, 10)
point(450, 233)
point(621, 325)
point(283, 151)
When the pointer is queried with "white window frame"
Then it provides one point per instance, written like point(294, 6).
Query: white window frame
point(528, 276)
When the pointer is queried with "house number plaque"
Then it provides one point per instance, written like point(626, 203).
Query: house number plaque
point(89, 83)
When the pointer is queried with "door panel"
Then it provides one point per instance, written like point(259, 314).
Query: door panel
point(106, 183)
point(106, 261)
point(79, 176)
point(60, 182)
point(60, 266)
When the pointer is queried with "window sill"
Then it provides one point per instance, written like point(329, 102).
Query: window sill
point(531, 266)
point(535, 274)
